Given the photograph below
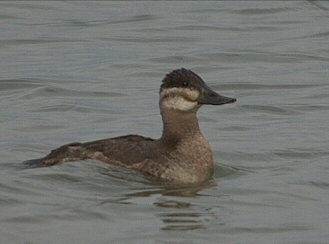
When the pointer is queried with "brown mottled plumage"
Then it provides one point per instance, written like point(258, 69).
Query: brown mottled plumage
point(182, 154)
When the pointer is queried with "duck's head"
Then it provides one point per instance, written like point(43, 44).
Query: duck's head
point(183, 90)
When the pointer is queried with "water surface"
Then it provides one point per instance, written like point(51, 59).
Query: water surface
point(81, 71)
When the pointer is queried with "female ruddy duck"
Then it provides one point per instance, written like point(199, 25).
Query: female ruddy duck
point(182, 154)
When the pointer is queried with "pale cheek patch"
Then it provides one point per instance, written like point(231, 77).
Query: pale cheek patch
point(191, 94)
point(178, 103)
point(179, 99)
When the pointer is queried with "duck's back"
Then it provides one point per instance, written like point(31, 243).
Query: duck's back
point(124, 150)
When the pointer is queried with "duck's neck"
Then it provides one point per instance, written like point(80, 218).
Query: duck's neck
point(178, 126)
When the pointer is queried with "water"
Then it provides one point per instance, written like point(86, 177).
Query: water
point(81, 71)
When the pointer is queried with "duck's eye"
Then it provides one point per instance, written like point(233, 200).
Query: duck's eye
point(185, 83)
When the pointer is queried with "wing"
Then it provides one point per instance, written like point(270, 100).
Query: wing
point(123, 150)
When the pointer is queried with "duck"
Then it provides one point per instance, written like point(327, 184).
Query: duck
point(182, 154)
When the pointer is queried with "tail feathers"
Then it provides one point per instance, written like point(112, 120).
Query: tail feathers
point(67, 153)
point(33, 163)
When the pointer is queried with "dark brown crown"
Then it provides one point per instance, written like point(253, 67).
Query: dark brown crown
point(181, 78)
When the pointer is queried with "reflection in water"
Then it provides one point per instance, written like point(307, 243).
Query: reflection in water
point(173, 211)
point(180, 216)
point(174, 202)
point(177, 206)
point(175, 190)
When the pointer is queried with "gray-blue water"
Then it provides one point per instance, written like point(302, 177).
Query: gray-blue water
point(81, 71)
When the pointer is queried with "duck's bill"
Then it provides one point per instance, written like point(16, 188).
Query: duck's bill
point(208, 96)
